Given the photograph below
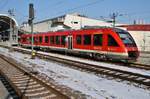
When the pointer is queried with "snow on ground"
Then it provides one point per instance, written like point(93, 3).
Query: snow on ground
point(87, 83)
point(134, 70)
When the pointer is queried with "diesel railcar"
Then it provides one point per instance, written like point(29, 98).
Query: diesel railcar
point(101, 43)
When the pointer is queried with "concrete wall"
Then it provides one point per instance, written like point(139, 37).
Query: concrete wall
point(40, 27)
point(142, 39)
point(76, 22)
point(72, 21)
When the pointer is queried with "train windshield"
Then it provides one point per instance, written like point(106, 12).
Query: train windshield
point(126, 38)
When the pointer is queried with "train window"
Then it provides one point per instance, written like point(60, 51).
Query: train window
point(30, 39)
point(57, 40)
point(126, 38)
point(112, 41)
point(87, 39)
point(40, 39)
point(23, 39)
point(46, 39)
point(63, 39)
point(78, 39)
point(52, 39)
point(98, 39)
point(35, 39)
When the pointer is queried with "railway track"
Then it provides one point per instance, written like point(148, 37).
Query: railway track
point(115, 73)
point(131, 64)
point(111, 72)
point(12, 93)
point(26, 84)
point(141, 66)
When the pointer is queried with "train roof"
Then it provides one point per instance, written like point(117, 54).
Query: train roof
point(83, 29)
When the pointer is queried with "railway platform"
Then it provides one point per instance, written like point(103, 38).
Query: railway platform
point(4, 94)
point(144, 58)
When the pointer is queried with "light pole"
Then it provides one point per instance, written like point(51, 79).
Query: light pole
point(113, 16)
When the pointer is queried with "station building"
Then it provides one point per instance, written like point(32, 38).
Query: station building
point(8, 30)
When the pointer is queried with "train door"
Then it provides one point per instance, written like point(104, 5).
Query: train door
point(112, 47)
point(70, 42)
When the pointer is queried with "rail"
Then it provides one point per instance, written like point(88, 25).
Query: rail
point(26, 83)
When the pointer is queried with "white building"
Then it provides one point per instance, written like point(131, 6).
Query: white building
point(141, 35)
point(68, 21)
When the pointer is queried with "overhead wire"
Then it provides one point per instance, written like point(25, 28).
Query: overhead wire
point(54, 4)
point(82, 6)
point(43, 10)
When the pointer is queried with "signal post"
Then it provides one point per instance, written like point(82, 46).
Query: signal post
point(30, 21)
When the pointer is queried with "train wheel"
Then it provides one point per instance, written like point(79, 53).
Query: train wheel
point(100, 57)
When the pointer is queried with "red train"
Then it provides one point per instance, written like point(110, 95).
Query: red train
point(101, 43)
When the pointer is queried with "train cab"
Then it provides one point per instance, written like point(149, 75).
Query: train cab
point(129, 43)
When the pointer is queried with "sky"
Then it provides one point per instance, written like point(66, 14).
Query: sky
point(126, 10)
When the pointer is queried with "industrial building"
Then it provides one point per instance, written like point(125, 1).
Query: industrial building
point(68, 21)
point(141, 35)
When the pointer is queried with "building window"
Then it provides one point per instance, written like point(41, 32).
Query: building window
point(46, 39)
point(52, 39)
point(75, 22)
point(112, 41)
point(78, 39)
point(57, 40)
point(40, 39)
point(63, 39)
point(87, 39)
point(98, 39)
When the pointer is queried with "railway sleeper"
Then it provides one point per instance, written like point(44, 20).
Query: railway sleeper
point(26, 82)
point(112, 72)
point(132, 77)
point(24, 87)
point(125, 75)
point(147, 80)
point(19, 79)
point(140, 78)
point(34, 91)
point(45, 93)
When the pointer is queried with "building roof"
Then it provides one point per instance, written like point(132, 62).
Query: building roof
point(137, 27)
point(5, 22)
point(49, 19)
